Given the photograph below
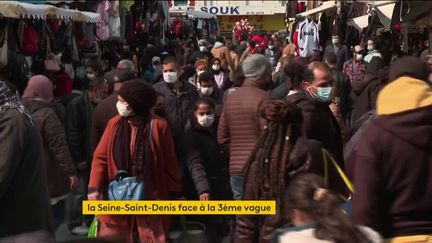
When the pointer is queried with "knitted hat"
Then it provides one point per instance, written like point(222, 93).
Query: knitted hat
point(257, 67)
point(140, 96)
point(40, 87)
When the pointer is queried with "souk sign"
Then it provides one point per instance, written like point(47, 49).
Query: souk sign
point(227, 10)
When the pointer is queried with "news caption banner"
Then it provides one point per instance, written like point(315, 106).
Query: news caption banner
point(162, 207)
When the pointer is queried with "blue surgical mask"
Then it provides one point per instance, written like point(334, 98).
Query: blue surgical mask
point(324, 94)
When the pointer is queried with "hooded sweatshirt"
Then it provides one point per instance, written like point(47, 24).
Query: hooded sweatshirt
point(393, 162)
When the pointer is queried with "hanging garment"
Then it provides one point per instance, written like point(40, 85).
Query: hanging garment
point(114, 23)
point(308, 39)
point(102, 30)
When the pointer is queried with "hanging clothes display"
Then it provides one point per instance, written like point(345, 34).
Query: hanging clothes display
point(102, 30)
point(308, 38)
point(114, 22)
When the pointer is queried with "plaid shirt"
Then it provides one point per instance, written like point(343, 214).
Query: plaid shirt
point(354, 70)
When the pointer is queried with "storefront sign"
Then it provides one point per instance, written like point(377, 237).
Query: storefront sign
point(228, 10)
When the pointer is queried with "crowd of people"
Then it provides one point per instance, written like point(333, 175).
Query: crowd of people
point(215, 120)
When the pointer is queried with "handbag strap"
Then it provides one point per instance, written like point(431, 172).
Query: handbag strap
point(346, 180)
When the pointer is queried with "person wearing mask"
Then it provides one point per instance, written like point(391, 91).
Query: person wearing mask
point(178, 95)
point(221, 52)
point(314, 100)
point(106, 109)
point(209, 89)
point(341, 105)
point(207, 164)
point(365, 92)
point(221, 75)
point(23, 170)
point(392, 162)
point(272, 53)
point(61, 171)
point(372, 51)
point(146, 138)
point(240, 125)
point(355, 67)
point(126, 64)
point(153, 73)
point(78, 133)
point(201, 66)
point(341, 51)
point(280, 153)
point(92, 71)
point(317, 217)
point(202, 52)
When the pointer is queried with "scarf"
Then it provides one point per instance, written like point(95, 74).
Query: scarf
point(122, 140)
point(9, 101)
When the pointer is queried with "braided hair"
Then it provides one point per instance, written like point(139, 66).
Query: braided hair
point(271, 153)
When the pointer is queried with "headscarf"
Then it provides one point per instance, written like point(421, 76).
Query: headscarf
point(9, 101)
point(408, 66)
point(39, 87)
point(141, 97)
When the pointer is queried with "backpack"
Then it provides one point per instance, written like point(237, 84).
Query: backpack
point(30, 41)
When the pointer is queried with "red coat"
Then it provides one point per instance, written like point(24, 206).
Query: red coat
point(163, 179)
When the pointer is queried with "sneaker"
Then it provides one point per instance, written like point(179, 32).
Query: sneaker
point(80, 230)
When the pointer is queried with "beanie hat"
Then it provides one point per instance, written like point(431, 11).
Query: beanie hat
point(140, 96)
point(40, 87)
point(256, 67)
point(408, 66)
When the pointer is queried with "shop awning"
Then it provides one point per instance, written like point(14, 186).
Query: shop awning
point(385, 13)
point(323, 7)
point(17, 10)
point(199, 14)
point(359, 22)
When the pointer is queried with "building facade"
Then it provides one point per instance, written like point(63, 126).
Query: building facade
point(263, 15)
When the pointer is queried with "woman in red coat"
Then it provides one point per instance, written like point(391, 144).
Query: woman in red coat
point(124, 144)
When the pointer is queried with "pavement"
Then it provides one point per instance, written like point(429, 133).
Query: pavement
point(63, 234)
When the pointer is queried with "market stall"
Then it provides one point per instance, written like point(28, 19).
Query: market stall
point(186, 22)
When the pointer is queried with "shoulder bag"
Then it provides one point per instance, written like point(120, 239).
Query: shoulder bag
point(125, 187)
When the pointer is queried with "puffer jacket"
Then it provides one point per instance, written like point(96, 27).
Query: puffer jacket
point(59, 163)
point(177, 106)
point(239, 125)
point(305, 157)
point(222, 52)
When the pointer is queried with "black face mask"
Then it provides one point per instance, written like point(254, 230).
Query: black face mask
point(159, 111)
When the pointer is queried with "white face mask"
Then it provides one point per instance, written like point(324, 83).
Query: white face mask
point(91, 76)
point(199, 72)
point(216, 67)
point(170, 77)
point(123, 109)
point(206, 120)
point(203, 48)
point(206, 91)
point(359, 57)
point(157, 67)
point(271, 47)
point(371, 47)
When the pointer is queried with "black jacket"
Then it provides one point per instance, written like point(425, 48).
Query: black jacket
point(103, 112)
point(204, 158)
point(177, 107)
point(217, 96)
point(78, 128)
point(319, 123)
point(24, 204)
point(196, 55)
